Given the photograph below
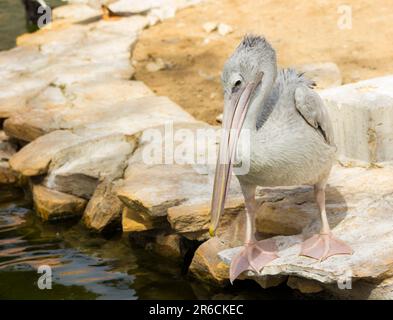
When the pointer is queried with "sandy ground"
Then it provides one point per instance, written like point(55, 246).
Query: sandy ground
point(302, 31)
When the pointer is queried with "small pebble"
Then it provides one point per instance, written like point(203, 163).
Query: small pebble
point(209, 26)
point(224, 29)
point(157, 65)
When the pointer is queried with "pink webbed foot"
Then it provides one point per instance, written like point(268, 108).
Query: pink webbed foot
point(323, 246)
point(253, 257)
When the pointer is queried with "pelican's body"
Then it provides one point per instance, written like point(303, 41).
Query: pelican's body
point(285, 149)
point(277, 132)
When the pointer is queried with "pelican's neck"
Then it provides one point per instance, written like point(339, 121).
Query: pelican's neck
point(258, 101)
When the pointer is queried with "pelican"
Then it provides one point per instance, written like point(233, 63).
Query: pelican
point(290, 142)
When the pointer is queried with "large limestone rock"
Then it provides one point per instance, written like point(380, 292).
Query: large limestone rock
point(137, 219)
point(159, 177)
point(60, 37)
point(156, 10)
point(159, 188)
point(71, 70)
point(15, 93)
point(54, 205)
point(324, 74)
point(89, 95)
point(206, 265)
point(192, 220)
point(124, 6)
point(47, 110)
point(34, 158)
point(87, 67)
point(65, 54)
point(127, 117)
point(279, 206)
point(103, 212)
point(122, 27)
point(357, 198)
point(362, 116)
point(75, 12)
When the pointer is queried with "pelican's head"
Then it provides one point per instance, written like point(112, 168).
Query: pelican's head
point(246, 77)
point(253, 60)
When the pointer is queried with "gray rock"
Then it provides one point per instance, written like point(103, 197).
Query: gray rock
point(75, 12)
point(362, 120)
point(354, 205)
point(7, 150)
point(53, 205)
point(104, 209)
point(78, 169)
point(15, 93)
point(155, 188)
point(102, 117)
point(34, 158)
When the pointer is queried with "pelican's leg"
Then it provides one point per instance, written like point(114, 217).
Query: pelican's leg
point(256, 254)
point(323, 245)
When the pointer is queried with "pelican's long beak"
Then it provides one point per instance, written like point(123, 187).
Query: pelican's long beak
point(235, 110)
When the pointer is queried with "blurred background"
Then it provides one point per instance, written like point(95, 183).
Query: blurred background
point(355, 35)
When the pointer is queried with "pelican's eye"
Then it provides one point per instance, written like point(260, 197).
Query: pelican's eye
point(236, 86)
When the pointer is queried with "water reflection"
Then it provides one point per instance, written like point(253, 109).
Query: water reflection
point(23, 248)
point(88, 266)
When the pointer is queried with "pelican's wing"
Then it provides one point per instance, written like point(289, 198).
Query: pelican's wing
point(312, 109)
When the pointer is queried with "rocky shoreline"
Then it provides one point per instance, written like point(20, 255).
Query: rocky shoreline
point(75, 128)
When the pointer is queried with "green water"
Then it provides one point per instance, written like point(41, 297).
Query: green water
point(86, 266)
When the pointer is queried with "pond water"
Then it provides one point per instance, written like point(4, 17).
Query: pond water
point(86, 266)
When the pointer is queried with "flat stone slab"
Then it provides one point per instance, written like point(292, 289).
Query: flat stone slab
point(78, 169)
point(175, 184)
point(34, 158)
point(362, 117)
point(75, 12)
point(65, 54)
point(57, 98)
point(126, 117)
point(154, 181)
point(54, 205)
point(15, 93)
point(25, 59)
point(192, 220)
point(367, 196)
point(104, 209)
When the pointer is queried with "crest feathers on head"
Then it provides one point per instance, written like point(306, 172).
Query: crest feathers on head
point(250, 41)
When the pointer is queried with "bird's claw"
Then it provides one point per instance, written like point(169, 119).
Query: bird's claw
point(253, 257)
point(323, 246)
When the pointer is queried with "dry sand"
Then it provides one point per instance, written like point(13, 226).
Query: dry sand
point(302, 31)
